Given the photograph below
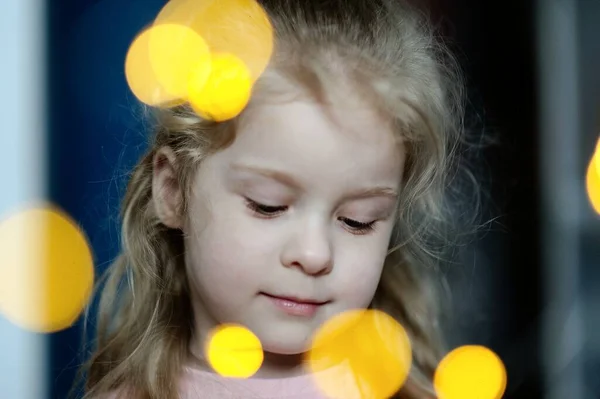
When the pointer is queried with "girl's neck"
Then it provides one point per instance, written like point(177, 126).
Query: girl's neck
point(273, 366)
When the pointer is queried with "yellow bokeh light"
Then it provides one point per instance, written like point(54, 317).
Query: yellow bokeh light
point(234, 351)
point(470, 372)
point(226, 92)
point(182, 12)
point(597, 158)
point(239, 27)
point(360, 354)
point(592, 183)
point(141, 77)
point(175, 52)
point(46, 270)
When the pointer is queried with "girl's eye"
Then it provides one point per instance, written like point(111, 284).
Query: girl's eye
point(264, 210)
point(269, 211)
point(358, 228)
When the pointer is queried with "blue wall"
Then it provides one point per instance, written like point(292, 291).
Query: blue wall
point(96, 133)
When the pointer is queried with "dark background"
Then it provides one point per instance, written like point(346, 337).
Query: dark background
point(97, 135)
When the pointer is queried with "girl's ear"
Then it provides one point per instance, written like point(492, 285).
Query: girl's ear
point(166, 192)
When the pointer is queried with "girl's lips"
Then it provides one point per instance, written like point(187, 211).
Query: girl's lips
point(295, 306)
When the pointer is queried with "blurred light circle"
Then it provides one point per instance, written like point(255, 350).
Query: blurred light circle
point(470, 372)
point(160, 61)
point(592, 182)
point(176, 51)
point(597, 157)
point(46, 269)
point(226, 91)
point(238, 27)
point(360, 354)
point(234, 351)
point(140, 75)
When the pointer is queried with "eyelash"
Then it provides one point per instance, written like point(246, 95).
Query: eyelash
point(268, 212)
point(359, 228)
point(264, 210)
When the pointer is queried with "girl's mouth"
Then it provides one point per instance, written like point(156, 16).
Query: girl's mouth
point(294, 306)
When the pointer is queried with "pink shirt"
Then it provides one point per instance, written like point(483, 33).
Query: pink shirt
point(202, 384)
point(198, 384)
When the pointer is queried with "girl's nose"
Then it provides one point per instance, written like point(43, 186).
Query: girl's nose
point(310, 249)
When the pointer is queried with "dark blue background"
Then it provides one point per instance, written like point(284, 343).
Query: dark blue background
point(97, 133)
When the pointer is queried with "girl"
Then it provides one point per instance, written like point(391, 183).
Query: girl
point(330, 187)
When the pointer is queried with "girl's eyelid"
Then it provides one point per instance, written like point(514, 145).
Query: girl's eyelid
point(369, 216)
point(358, 220)
point(264, 203)
point(278, 207)
point(360, 229)
point(268, 212)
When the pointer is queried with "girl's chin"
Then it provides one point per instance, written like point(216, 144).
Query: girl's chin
point(288, 348)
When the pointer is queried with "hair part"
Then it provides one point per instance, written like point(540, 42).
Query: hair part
point(381, 49)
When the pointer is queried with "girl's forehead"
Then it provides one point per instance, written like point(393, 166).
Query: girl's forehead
point(349, 116)
point(319, 140)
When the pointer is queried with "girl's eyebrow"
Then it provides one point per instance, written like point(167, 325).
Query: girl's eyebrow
point(292, 182)
point(370, 192)
point(272, 174)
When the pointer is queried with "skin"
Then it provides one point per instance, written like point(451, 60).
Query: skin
point(285, 211)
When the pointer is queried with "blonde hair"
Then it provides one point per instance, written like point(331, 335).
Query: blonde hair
point(382, 49)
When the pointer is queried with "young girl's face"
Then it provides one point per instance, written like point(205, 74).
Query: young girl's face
point(300, 206)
